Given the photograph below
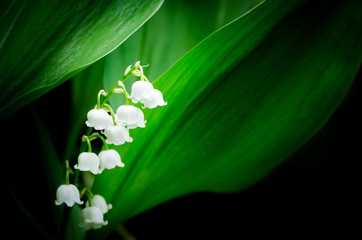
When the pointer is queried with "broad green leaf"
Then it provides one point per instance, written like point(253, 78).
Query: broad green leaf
point(44, 43)
point(176, 28)
point(238, 104)
point(164, 39)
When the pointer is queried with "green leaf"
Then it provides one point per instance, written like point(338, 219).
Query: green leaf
point(164, 39)
point(176, 28)
point(43, 44)
point(238, 104)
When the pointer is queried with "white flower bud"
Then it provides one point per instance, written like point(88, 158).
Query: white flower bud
point(127, 69)
point(156, 99)
point(117, 135)
point(68, 194)
point(99, 119)
point(88, 161)
point(130, 116)
point(100, 202)
point(140, 91)
point(92, 217)
point(109, 159)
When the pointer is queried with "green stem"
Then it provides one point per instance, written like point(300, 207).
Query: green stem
point(109, 108)
point(86, 138)
point(83, 144)
point(89, 145)
point(97, 135)
point(110, 91)
point(100, 93)
point(90, 196)
point(67, 177)
point(67, 172)
point(76, 177)
point(125, 95)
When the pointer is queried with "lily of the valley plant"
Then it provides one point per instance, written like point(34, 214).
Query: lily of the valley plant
point(112, 128)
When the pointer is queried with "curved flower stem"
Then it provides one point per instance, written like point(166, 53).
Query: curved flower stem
point(90, 195)
point(110, 109)
point(97, 135)
point(86, 138)
point(139, 71)
point(67, 172)
point(83, 144)
point(124, 92)
point(127, 75)
point(101, 92)
point(82, 193)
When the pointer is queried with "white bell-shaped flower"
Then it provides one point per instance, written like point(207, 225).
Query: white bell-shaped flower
point(68, 194)
point(100, 202)
point(88, 161)
point(143, 91)
point(156, 99)
point(92, 217)
point(130, 116)
point(109, 159)
point(140, 91)
point(99, 119)
point(117, 135)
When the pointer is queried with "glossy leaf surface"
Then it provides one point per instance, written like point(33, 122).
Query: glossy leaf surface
point(238, 104)
point(44, 43)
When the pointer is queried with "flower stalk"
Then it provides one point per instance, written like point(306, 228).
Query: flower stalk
point(111, 128)
point(124, 78)
point(68, 171)
point(124, 91)
point(97, 135)
point(86, 139)
point(110, 110)
point(89, 195)
point(100, 93)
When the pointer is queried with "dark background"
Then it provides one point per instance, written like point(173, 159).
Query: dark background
point(311, 194)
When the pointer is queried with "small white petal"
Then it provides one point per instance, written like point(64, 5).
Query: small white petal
point(100, 202)
point(140, 90)
point(92, 217)
point(99, 119)
point(130, 116)
point(117, 135)
point(68, 194)
point(109, 159)
point(156, 99)
point(88, 161)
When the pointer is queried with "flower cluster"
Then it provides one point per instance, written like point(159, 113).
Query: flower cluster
point(112, 128)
